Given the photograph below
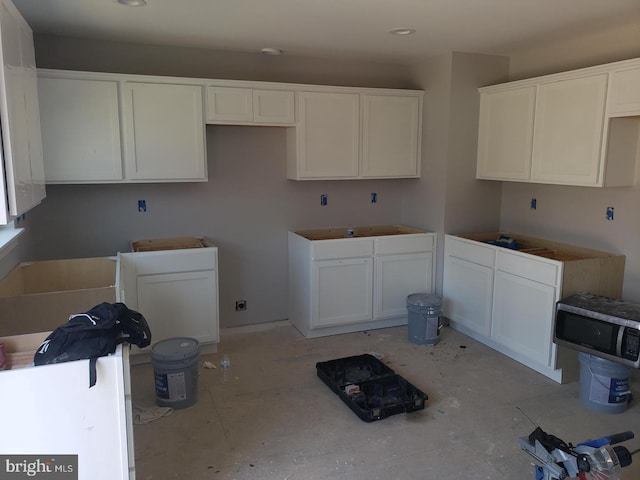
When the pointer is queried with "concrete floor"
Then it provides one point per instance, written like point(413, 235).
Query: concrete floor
point(273, 418)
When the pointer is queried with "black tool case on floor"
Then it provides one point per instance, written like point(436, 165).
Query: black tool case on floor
point(369, 387)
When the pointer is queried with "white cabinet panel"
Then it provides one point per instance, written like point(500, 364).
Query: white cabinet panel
point(396, 277)
point(390, 133)
point(523, 313)
point(274, 106)
point(21, 185)
point(532, 268)
point(342, 248)
point(343, 292)
point(568, 130)
point(180, 304)
point(505, 136)
point(625, 92)
point(164, 132)
point(327, 137)
point(468, 293)
point(229, 103)
point(80, 129)
point(89, 422)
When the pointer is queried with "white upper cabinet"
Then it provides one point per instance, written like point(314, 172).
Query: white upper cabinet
point(568, 130)
point(80, 121)
point(249, 106)
point(390, 132)
point(327, 137)
point(111, 128)
point(164, 132)
point(572, 128)
point(23, 182)
point(355, 134)
point(505, 140)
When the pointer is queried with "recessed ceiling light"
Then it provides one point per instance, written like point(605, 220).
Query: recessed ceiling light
point(271, 51)
point(132, 3)
point(402, 31)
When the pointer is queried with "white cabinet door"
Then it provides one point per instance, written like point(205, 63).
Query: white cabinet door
point(164, 132)
point(625, 92)
point(180, 305)
point(523, 313)
point(229, 103)
point(342, 291)
point(274, 107)
point(505, 135)
point(468, 292)
point(21, 141)
point(328, 136)
point(390, 136)
point(397, 276)
point(568, 131)
point(80, 129)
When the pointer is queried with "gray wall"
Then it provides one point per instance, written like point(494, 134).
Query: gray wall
point(248, 204)
point(578, 214)
point(448, 198)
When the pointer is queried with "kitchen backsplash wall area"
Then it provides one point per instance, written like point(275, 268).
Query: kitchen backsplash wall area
point(246, 209)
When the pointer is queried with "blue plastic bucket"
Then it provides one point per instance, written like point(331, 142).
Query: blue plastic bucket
point(604, 385)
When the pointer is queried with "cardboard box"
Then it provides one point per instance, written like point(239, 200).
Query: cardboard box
point(40, 296)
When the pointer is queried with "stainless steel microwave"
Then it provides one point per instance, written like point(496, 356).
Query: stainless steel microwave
point(602, 326)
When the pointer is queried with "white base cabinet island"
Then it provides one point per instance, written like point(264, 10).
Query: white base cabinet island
point(345, 280)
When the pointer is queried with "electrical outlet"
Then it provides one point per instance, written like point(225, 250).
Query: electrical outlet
point(241, 305)
point(534, 203)
point(374, 197)
point(609, 213)
point(323, 199)
point(142, 205)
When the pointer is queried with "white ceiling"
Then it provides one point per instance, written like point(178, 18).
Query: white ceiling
point(351, 29)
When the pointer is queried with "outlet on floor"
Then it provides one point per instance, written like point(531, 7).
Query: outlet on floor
point(241, 305)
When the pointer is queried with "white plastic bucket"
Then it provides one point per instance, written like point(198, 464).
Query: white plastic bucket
point(175, 368)
point(604, 385)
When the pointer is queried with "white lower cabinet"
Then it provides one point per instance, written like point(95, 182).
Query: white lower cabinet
point(351, 284)
point(175, 290)
point(506, 298)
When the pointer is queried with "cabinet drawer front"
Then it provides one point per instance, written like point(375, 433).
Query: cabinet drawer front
point(531, 268)
point(151, 263)
point(403, 244)
point(473, 251)
point(343, 248)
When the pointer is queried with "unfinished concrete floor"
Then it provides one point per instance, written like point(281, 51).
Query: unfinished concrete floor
point(273, 418)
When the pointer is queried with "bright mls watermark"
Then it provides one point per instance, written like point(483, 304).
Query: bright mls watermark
point(49, 467)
